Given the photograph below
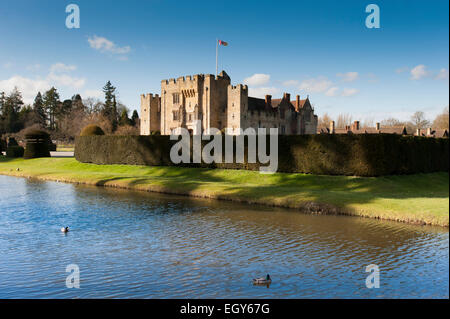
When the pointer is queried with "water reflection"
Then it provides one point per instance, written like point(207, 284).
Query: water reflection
point(146, 245)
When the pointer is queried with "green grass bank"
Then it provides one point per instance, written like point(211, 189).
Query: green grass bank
point(421, 198)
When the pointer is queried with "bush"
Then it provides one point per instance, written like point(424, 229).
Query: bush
point(37, 144)
point(14, 151)
point(360, 155)
point(91, 130)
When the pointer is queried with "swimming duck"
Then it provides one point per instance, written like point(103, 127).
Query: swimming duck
point(65, 229)
point(262, 280)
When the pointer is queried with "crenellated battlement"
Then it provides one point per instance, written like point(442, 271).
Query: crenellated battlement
point(238, 87)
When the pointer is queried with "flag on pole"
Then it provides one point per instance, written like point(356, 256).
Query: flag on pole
point(223, 43)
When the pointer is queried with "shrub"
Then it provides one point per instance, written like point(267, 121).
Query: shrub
point(92, 130)
point(14, 151)
point(37, 144)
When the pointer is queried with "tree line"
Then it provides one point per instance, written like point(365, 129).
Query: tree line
point(65, 119)
point(418, 120)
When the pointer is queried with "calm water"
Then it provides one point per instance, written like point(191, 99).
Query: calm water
point(141, 245)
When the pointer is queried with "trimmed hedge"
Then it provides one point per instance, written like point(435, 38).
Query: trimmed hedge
point(14, 151)
point(346, 154)
point(37, 144)
point(92, 130)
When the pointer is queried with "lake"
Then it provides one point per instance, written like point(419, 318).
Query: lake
point(144, 245)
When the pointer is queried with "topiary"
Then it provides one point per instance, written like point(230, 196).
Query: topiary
point(14, 151)
point(37, 144)
point(92, 130)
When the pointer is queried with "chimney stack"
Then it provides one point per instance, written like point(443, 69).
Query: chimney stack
point(332, 131)
point(287, 96)
point(377, 126)
point(269, 100)
point(429, 131)
point(298, 101)
point(418, 132)
point(356, 126)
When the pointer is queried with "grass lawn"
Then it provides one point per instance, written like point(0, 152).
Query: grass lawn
point(422, 198)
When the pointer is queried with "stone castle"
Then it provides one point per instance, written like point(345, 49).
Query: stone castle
point(217, 103)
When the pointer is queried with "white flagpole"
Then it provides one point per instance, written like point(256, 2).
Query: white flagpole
point(217, 54)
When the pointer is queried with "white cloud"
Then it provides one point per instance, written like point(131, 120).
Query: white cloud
point(317, 85)
point(61, 67)
point(418, 72)
point(257, 79)
point(442, 75)
point(263, 91)
point(332, 91)
point(28, 87)
point(58, 76)
point(107, 46)
point(66, 80)
point(349, 92)
point(349, 76)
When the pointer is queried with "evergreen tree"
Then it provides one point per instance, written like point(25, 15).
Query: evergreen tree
point(39, 111)
point(51, 105)
point(10, 111)
point(124, 120)
point(109, 90)
point(134, 118)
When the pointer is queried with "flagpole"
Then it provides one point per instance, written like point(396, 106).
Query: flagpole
point(217, 54)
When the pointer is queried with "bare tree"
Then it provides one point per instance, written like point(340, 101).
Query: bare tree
point(324, 121)
point(419, 121)
point(343, 120)
point(391, 122)
point(92, 105)
point(442, 120)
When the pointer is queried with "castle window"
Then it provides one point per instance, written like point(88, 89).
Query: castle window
point(176, 115)
point(190, 117)
point(176, 98)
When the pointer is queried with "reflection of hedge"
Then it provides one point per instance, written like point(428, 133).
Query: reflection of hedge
point(362, 155)
point(91, 130)
point(14, 151)
point(37, 144)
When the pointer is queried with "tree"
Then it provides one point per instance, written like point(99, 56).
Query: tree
point(109, 90)
point(51, 105)
point(39, 110)
point(442, 120)
point(343, 120)
point(391, 122)
point(134, 118)
point(10, 107)
point(324, 121)
point(419, 121)
point(124, 120)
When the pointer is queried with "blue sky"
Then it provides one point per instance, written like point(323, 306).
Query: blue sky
point(317, 48)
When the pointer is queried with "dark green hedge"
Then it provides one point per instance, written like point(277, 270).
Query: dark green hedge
point(361, 155)
point(14, 151)
point(37, 144)
point(91, 130)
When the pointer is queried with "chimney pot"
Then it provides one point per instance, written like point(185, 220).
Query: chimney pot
point(269, 99)
point(356, 125)
point(377, 126)
point(429, 131)
point(287, 96)
point(332, 131)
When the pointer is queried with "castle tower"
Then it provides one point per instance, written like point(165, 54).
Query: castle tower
point(150, 114)
point(237, 103)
